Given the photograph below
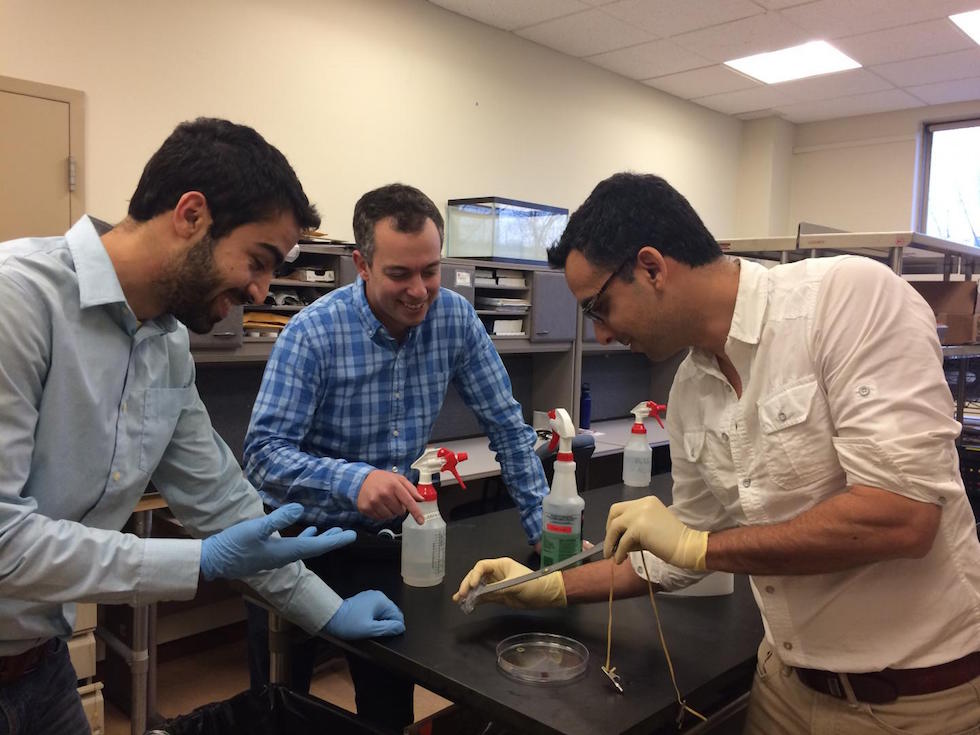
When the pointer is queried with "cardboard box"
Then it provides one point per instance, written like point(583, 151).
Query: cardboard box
point(81, 650)
point(86, 616)
point(961, 329)
point(94, 706)
point(955, 305)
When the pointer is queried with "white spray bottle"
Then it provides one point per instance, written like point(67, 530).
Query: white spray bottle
point(562, 508)
point(424, 545)
point(637, 455)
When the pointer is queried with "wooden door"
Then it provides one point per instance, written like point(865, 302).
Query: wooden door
point(40, 176)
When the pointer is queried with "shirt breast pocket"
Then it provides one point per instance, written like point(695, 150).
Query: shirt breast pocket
point(797, 436)
point(161, 411)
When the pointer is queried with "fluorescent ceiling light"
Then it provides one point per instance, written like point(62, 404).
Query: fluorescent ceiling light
point(796, 62)
point(969, 23)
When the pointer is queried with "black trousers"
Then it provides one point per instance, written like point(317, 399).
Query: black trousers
point(383, 698)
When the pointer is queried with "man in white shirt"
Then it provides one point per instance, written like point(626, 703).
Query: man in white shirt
point(813, 448)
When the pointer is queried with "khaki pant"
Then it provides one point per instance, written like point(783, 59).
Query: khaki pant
point(781, 703)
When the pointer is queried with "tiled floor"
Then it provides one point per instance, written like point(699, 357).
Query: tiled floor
point(221, 672)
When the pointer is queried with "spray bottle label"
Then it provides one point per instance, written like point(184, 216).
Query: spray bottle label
point(562, 537)
point(439, 554)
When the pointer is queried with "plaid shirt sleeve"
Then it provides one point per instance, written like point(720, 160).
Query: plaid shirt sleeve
point(292, 386)
point(483, 383)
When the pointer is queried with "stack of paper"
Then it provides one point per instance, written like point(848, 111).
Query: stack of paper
point(516, 306)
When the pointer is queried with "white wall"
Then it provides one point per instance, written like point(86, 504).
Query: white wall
point(358, 93)
point(862, 173)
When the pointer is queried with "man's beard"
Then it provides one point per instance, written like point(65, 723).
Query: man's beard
point(189, 287)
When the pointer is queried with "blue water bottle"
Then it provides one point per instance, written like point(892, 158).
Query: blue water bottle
point(585, 407)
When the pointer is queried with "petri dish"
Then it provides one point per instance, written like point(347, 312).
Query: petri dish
point(541, 658)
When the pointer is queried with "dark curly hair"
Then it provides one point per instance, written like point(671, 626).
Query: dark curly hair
point(628, 211)
point(243, 177)
point(408, 206)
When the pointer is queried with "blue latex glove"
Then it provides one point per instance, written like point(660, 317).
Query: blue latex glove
point(367, 614)
point(249, 547)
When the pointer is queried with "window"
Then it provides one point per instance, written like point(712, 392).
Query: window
point(951, 201)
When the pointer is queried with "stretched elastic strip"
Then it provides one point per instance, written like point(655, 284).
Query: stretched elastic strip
point(663, 642)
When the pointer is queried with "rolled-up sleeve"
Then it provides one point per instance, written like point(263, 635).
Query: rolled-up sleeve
point(874, 341)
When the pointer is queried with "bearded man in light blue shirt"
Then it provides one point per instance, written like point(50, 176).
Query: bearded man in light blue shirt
point(97, 399)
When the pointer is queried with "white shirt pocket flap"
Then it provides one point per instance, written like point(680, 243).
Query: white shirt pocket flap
point(693, 444)
point(787, 408)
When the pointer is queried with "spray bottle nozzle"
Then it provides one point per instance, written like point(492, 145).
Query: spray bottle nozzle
point(450, 460)
point(647, 408)
point(562, 433)
point(555, 437)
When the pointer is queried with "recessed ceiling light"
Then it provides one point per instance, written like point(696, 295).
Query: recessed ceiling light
point(796, 62)
point(969, 23)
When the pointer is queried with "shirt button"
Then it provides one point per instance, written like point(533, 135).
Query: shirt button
point(115, 476)
point(394, 469)
point(770, 589)
point(395, 432)
point(787, 645)
point(863, 391)
point(782, 416)
point(398, 395)
point(724, 436)
point(746, 482)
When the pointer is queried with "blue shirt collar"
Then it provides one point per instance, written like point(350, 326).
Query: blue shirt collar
point(377, 331)
point(98, 284)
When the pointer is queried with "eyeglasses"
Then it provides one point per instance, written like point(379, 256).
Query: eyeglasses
point(589, 307)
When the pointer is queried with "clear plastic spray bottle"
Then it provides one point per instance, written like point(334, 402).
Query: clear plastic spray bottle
point(562, 508)
point(637, 455)
point(424, 545)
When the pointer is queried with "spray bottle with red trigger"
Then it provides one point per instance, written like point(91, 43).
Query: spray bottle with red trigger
point(562, 508)
point(424, 545)
point(637, 455)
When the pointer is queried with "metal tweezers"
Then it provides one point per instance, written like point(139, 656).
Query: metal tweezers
point(468, 603)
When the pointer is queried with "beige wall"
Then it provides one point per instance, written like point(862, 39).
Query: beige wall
point(862, 173)
point(763, 192)
point(357, 93)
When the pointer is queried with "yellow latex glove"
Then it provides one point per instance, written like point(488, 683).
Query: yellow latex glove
point(546, 591)
point(648, 524)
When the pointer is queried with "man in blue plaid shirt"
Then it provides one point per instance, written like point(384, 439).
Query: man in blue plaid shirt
point(353, 387)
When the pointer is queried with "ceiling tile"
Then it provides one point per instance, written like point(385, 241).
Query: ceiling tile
point(841, 84)
point(652, 59)
point(511, 14)
point(599, 2)
point(779, 4)
point(834, 18)
point(941, 93)
point(739, 38)
point(702, 82)
point(585, 34)
point(746, 100)
point(858, 104)
point(906, 42)
point(928, 69)
point(666, 18)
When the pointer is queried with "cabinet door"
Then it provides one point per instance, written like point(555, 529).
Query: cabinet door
point(552, 308)
point(458, 278)
point(225, 335)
